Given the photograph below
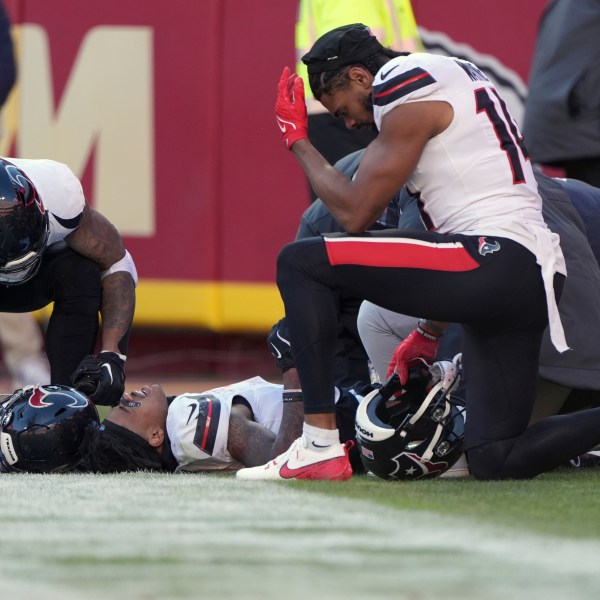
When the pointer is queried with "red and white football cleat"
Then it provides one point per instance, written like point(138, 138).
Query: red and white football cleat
point(301, 462)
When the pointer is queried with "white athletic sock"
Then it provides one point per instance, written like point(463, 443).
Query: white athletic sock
point(320, 439)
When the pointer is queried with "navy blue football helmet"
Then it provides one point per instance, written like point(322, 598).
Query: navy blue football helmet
point(42, 428)
point(415, 431)
point(24, 226)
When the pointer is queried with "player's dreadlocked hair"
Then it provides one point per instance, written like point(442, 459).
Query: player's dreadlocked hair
point(328, 82)
point(111, 448)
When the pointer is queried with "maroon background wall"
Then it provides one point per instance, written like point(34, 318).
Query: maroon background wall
point(227, 194)
point(505, 29)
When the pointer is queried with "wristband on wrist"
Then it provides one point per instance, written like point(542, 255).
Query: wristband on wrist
point(292, 395)
point(430, 336)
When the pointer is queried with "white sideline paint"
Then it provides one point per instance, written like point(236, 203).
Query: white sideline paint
point(197, 536)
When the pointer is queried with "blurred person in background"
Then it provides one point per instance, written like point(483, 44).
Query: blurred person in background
point(21, 337)
point(562, 109)
point(22, 343)
point(391, 21)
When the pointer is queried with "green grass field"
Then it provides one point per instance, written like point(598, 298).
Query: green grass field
point(144, 536)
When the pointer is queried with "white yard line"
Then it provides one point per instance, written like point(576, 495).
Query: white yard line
point(204, 537)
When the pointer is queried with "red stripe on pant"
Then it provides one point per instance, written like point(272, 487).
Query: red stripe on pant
point(399, 252)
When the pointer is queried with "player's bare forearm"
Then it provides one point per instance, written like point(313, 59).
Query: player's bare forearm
point(118, 306)
point(292, 417)
point(97, 238)
point(331, 185)
point(249, 443)
point(290, 428)
point(355, 203)
point(252, 444)
point(291, 380)
point(384, 168)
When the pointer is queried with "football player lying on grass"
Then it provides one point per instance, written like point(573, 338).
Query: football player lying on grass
point(224, 429)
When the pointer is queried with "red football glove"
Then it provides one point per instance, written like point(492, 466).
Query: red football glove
point(290, 108)
point(417, 345)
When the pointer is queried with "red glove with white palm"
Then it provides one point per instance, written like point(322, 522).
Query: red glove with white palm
point(290, 108)
point(419, 344)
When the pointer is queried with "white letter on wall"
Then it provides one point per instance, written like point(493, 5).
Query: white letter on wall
point(107, 106)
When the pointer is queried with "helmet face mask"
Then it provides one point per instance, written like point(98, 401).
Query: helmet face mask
point(418, 435)
point(21, 270)
point(24, 226)
point(42, 429)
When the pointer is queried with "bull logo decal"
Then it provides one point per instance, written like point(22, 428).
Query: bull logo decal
point(486, 247)
point(41, 397)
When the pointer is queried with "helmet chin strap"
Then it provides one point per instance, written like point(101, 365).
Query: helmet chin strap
point(449, 379)
point(434, 440)
point(424, 405)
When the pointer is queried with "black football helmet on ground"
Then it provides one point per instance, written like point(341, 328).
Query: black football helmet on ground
point(415, 431)
point(24, 226)
point(42, 429)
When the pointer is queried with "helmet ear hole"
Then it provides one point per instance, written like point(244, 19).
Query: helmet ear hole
point(418, 435)
point(42, 429)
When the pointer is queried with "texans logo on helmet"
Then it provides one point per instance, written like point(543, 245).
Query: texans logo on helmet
point(39, 394)
point(486, 247)
point(425, 467)
point(21, 181)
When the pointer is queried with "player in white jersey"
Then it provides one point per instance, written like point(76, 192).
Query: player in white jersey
point(487, 261)
point(470, 140)
point(221, 429)
point(55, 248)
point(198, 424)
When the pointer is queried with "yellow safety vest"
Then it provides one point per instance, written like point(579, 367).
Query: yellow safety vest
point(392, 21)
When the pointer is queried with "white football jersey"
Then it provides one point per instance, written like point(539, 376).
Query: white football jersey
point(60, 192)
point(474, 171)
point(198, 424)
point(475, 177)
